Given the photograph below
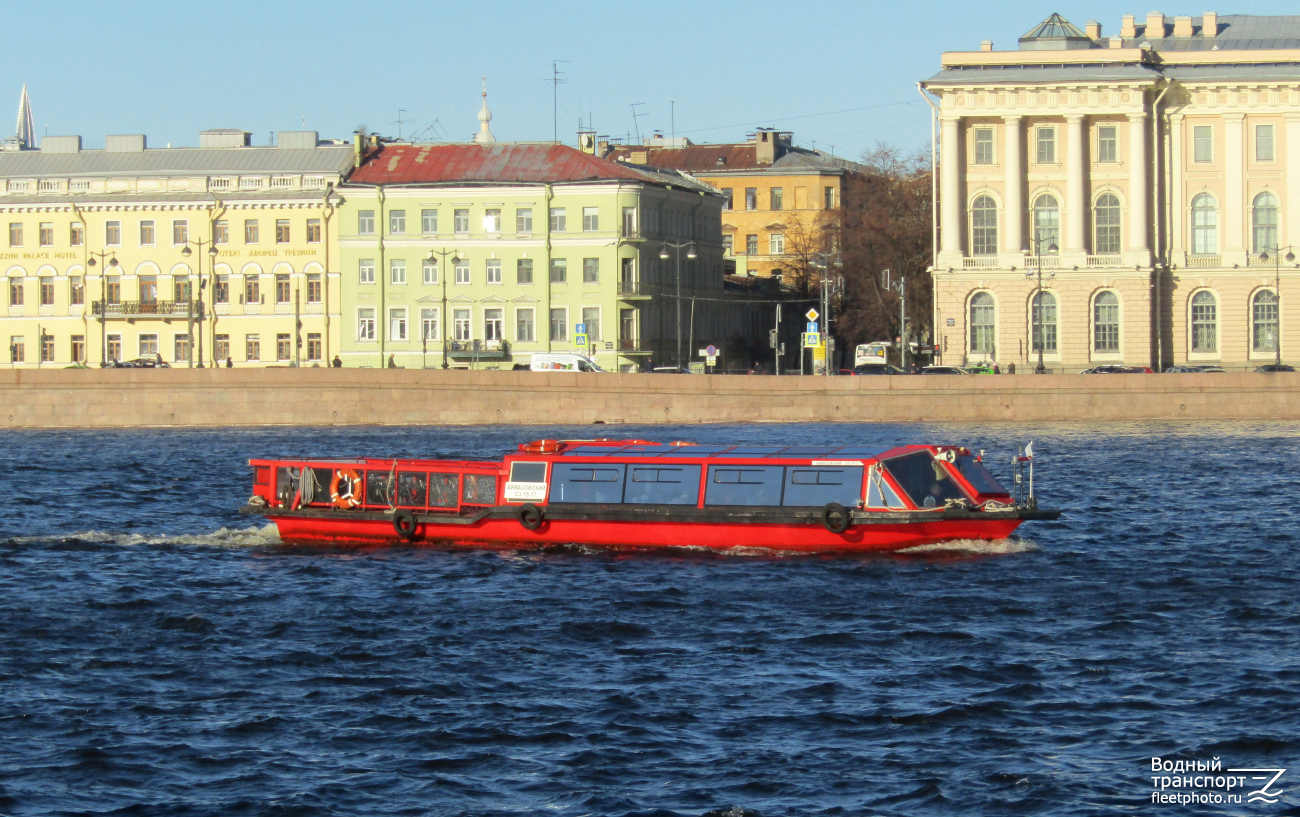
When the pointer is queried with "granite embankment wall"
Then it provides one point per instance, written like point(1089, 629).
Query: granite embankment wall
point(124, 398)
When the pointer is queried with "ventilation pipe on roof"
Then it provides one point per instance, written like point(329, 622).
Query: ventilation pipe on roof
point(1155, 24)
point(1210, 24)
point(357, 151)
point(1093, 30)
point(986, 45)
point(1127, 29)
point(1182, 26)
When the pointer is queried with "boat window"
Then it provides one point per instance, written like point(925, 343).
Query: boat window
point(978, 476)
point(412, 489)
point(321, 494)
point(818, 486)
point(924, 479)
point(378, 488)
point(744, 485)
point(587, 483)
point(879, 492)
point(443, 489)
point(286, 485)
point(528, 472)
point(663, 485)
point(479, 489)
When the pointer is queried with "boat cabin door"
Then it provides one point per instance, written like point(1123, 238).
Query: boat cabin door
point(527, 482)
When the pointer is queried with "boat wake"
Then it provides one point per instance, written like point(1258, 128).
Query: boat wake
point(981, 546)
point(263, 536)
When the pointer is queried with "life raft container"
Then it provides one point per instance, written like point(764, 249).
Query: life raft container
point(541, 447)
point(345, 488)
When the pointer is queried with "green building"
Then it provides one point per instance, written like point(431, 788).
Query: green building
point(480, 254)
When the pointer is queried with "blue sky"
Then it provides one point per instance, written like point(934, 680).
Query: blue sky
point(836, 73)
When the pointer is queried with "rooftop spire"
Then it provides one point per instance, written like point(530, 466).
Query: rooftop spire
point(25, 132)
point(484, 136)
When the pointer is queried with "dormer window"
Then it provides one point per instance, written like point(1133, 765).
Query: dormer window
point(722, 161)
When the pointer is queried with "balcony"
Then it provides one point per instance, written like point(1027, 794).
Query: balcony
point(980, 262)
point(1105, 261)
point(478, 349)
point(142, 309)
point(633, 346)
point(1204, 261)
point(632, 289)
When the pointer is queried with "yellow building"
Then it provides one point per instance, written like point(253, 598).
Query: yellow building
point(1147, 174)
point(129, 252)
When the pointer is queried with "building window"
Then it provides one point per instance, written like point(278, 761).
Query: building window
point(315, 348)
point(1263, 324)
point(396, 222)
point(282, 231)
point(252, 347)
point(983, 146)
point(46, 290)
point(17, 349)
point(1047, 225)
point(829, 197)
point(727, 197)
point(460, 324)
point(493, 324)
point(776, 243)
point(1205, 225)
point(462, 271)
point(524, 331)
point(148, 289)
point(1043, 319)
point(559, 325)
point(221, 291)
point(147, 236)
point(1046, 146)
point(1105, 322)
point(590, 219)
point(428, 324)
point(366, 222)
point(1204, 322)
point(313, 287)
point(492, 221)
point(112, 234)
point(180, 348)
point(113, 289)
point(429, 222)
point(460, 221)
point(984, 226)
point(282, 288)
point(77, 234)
point(15, 234)
point(148, 345)
point(494, 271)
point(558, 220)
point(727, 244)
point(221, 232)
point(181, 289)
point(751, 198)
point(982, 325)
point(776, 197)
point(1264, 221)
point(397, 271)
point(47, 348)
point(221, 348)
point(313, 231)
point(1106, 225)
point(751, 245)
point(397, 324)
point(366, 323)
point(591, 270)
point(1107, 143)
point(524, 220)
point(1202, 143)
point(524, 271)
point(591, 320)
point(629, 221)
point(559, 270)
point(45, 234)
point(78, 348)
point(252, 290)
point(366, 271)
point(180, 232)
point(251, 233)
point(429, 271)
point(114, 348)
point(76, 290)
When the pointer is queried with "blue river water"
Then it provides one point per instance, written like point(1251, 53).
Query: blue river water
point(162, 655)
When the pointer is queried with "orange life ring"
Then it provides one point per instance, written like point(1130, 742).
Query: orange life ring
point(679, 443)
point(351, 481)
point(541, 447)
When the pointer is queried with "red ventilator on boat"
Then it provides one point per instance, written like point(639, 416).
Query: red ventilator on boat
point(641, 494)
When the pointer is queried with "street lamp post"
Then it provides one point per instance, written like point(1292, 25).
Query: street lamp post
point(212, 254)
point(663, 255)
point(103, 302)
point(824, 262)
point(1036, 308)
point(442, 318)
point(1277, 293)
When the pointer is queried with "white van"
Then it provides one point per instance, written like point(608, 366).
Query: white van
point(563, 362)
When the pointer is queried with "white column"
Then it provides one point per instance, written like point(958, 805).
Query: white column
point(1291, 205)
point(1076, 197)
point(1139, 192)
point(1014, 204)
point(950, 203)
point(1234, 206)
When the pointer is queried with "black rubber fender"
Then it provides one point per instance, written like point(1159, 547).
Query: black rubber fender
point(835, 517)
point(530, 516)
point(405, 523)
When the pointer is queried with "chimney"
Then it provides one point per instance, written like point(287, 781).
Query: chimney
point(1182, 26)
point(1093, 30)
point(986, 45)
point(602, 148)
point(1155, 24)
point(1126, 28)
point(765, 151)
point(1210, 25)
point(358, 148)
point(1116, 42)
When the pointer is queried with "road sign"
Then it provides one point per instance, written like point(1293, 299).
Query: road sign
point(811, 340)
point(580, 339)
point(711, 350)
point(712, 360)
point(812, 314)
point(580, 328)
point(813, 327)
point(951, 321)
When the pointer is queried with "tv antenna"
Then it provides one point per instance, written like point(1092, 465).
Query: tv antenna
point(556, 79)
point(400, 111)
point(636, 116)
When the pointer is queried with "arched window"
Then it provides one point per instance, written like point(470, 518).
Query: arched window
point(982, 323)
point(984, 226)
point(1044, 322)
point(1047, 224)
point(1106, 223)
point(1105, 322)
point(1205, 226)
point(1263, 323)
point(1205, 322)
point(1264, 220)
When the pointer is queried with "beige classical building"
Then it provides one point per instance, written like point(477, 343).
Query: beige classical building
point(1147, 174)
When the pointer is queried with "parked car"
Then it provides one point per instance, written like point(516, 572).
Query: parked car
point(1275, 367)
point(670, 370)
point(944, 370)
point(140, 363)
point(875, 368)
point(982, 369)
point(563, 362)
point(1116, 369)
point(1191, 369)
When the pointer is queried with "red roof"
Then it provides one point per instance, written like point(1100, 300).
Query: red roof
point(501, 162)
point(697, 158)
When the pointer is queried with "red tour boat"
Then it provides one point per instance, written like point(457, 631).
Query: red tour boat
point(639, 494)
